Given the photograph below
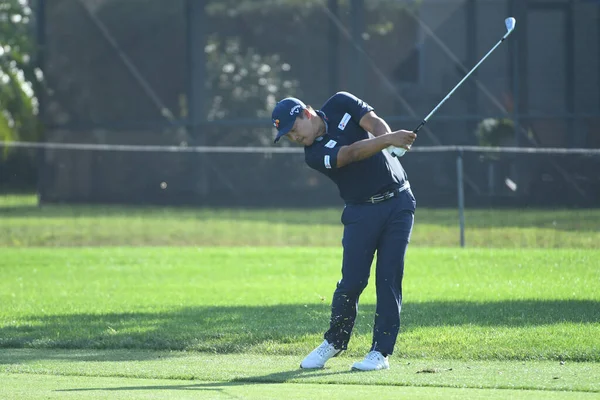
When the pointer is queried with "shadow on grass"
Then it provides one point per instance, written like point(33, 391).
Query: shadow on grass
point(266, 329)
point(562, 220)
point(277, 377)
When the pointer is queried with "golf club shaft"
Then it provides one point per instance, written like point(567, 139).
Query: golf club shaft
point(402, 151)
point(458, 85)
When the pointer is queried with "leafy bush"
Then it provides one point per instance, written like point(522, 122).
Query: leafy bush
point(19, 78)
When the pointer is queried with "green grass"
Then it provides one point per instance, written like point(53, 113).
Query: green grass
point(26, 224)
point(156, 302)
point(470, 305)
point(24, 386)
point(196, 370)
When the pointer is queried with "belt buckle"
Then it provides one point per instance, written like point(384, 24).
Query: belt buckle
point(381, 197)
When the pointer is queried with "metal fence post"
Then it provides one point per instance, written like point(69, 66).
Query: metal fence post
point(196, 20)
point(461, 196)
point(40, 56)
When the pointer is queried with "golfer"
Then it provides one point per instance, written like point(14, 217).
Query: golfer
point(346, 141)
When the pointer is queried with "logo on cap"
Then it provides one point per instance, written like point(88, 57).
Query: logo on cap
point(276, 123)
point(296, 109)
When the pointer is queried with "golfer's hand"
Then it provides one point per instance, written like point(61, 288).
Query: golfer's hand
point(403, 139)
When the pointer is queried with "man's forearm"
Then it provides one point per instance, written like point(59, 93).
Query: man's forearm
point(367, 147)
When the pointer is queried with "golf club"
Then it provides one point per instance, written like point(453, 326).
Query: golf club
point(510, 26)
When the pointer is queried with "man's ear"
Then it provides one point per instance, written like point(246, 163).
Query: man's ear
point(307, 113)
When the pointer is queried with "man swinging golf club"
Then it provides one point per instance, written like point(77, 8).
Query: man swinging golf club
point(344, 140)
point(377, 217)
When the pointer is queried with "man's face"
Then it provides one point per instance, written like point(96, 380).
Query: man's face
point(303, 132)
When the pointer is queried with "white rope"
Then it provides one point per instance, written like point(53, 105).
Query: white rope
point(285, 150)
point(485, 149)
point(150, 148)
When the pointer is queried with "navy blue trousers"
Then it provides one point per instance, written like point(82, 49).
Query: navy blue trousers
point(384, 228)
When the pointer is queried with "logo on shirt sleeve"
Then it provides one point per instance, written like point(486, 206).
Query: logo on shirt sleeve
point(344, 121)
point(327, 161)
point(331, 144)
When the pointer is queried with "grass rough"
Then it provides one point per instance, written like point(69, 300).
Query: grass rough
point(24, 224)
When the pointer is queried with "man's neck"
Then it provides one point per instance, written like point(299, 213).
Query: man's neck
point(322, 128)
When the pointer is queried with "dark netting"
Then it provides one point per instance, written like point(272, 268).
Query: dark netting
point(184, 72)
point(265, 179)
point(108, 176)
point(531, 180)
point(110, 62)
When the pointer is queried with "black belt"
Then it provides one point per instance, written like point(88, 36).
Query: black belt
point(379, 197)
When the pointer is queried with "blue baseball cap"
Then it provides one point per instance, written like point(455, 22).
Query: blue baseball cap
point(284, 115)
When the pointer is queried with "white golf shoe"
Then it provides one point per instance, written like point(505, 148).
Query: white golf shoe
point(373, 361)
point(319, 356)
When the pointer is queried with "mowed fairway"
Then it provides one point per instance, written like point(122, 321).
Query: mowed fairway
point(182, 321)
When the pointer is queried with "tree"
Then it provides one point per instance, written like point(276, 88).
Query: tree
point(19, 79)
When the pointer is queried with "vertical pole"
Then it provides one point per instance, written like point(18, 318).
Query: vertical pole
point(196, 66)
point(357, 18)
point(523, 57)
point(334, 44)
point(461, 196)
point(491, 180)
point(40, 41)
point(471, 33)
point(514, 73)
point(575, 139)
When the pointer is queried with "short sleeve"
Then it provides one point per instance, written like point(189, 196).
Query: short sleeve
point(351, 104)
point(321, 157)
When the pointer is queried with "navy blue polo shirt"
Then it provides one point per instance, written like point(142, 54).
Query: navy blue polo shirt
point(360, 180)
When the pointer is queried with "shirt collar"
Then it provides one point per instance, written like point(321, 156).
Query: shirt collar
point(325, 120)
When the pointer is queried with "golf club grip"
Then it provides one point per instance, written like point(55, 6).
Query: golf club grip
point(420, 126)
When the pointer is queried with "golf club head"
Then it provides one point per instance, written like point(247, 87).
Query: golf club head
point(510, 24)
